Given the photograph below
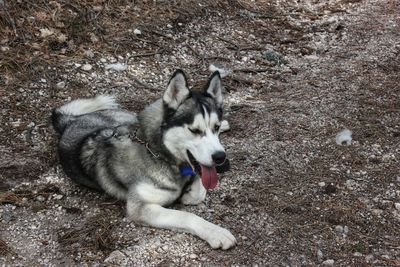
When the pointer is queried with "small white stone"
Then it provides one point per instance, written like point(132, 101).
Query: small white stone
point(137, 32)
point(89, 53)
point(397, 206)
point(369, 258)
point(320, 255)
point(345, 230)
point(321, 184)
point(116, 66)
point(377, 212)
point(339, 229)
point(344, 137)
point(40, 198)
point(58, 197)
point(193, 256)
point(60, 85)
point(87, 67)
point(357, 254)
point(224, 126)
point(115, 257)
point(328, 262)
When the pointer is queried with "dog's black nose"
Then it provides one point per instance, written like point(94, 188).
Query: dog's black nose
point(219, 157)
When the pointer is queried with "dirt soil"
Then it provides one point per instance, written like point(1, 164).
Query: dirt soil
point(300, 72)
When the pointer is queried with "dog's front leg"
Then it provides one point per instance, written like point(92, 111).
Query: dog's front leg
point(160, 217)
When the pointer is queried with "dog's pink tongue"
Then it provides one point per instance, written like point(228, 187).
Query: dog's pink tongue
point(209, 177)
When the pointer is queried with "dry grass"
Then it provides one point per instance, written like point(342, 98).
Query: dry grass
point(39, 38)
point(96, 234)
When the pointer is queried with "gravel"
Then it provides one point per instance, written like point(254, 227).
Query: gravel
point(300, 72)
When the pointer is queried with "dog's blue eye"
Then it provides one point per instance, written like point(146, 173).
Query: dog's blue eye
point(196, 131)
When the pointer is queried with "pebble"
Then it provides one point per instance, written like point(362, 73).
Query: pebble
point(321, 184)
point(369, 258)
point(357, 254)
point(339, 229)
point(89, 53)
point(397, 206)
point(345, 230)
point(344, 137)
point(40, 198)
point(58, 197)
point(320, 255)
point(137, 32)
point(87, 67)
point(7, 216)
point(193, 256)
point(377, 212)
point(115, 257)
point(61, 85)
point(328, 262)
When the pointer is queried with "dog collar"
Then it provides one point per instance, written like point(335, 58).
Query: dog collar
point(134, 137)
point(187, 170)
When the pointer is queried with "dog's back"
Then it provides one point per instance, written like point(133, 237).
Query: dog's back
point(80, 119)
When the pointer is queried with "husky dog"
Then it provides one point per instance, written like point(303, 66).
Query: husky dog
point(168, 152)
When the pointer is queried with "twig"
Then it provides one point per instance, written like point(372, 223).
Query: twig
point(146, 41)
point(217, 57)
point(142, 84)
point(240, 80)
point(158, 33)
point(229, 42)
point(248, 48)
point(246, 70)
point(11, 20)
point(145, 54)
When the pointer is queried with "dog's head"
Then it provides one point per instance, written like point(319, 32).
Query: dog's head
point(191, 125)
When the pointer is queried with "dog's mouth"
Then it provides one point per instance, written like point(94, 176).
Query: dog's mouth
point(208, 174)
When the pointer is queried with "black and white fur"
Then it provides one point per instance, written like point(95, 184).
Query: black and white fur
point(98, 148)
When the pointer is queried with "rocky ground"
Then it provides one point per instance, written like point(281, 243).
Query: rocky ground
point(301, 72)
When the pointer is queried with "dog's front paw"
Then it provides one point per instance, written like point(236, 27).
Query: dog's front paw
point(195, 195)
point(218, 237)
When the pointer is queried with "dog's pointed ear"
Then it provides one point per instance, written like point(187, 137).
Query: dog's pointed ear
point(177, 90)
point(214, 88)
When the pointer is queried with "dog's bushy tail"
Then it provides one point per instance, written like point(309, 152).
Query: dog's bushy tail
point(65, 114)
